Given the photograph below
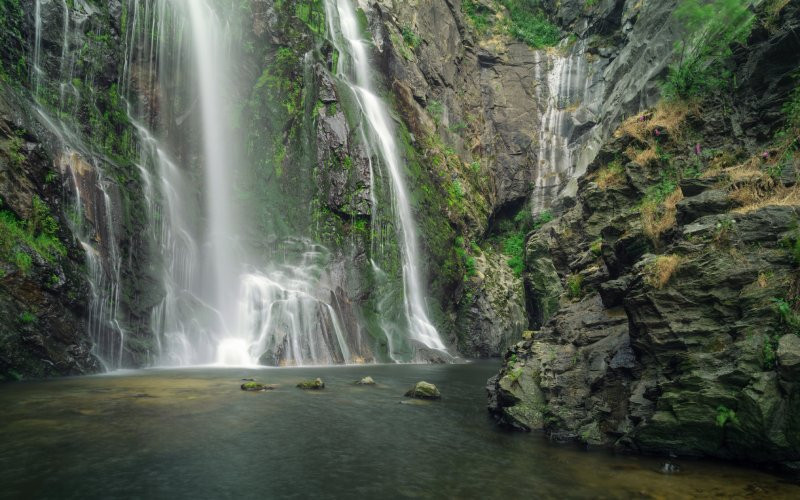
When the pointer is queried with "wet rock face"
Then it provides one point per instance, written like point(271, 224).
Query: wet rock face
point(496, 316)
point(670, 343)
point(44, 307)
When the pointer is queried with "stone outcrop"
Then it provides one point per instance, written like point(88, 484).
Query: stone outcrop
point(673, 333)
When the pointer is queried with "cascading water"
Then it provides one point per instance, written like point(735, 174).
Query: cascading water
point(565, 78)
point(354, 70)
point(220, 301)
point(219, 306)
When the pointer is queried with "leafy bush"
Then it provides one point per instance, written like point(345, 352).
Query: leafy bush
point(37, 234)
point(530, 25)
point(526, 21)
point(514, 248)
point(574, 286)
point(725, 415)
point(711, 27)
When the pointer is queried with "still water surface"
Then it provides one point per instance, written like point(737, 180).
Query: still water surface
point(193, 433)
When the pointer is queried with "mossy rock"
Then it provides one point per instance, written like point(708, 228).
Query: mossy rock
point(365, 381)
point(312, 385)
point(253, 386)
point(424, 390)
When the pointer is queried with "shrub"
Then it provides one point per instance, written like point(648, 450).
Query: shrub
point(27, 318)
point(514, 248)
point(574, 286)
point(530, 25)
point(596, 247)
point(725, 415)
point(710, 29)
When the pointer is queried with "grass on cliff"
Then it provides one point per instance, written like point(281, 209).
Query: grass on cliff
point(658, 273)
point(759, 181)
point(710, 28)
point(37, 234)
point(524, 20)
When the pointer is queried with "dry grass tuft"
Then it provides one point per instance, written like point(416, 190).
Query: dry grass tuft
point(657, 219)
point(752, 188)
point(658, 273)
point(643, 158)
point(610, 175)
point(666, 117)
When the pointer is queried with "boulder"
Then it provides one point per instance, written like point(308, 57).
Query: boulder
point(312, 385)
point(253, 386)
point(424, 390)
point(366, 381)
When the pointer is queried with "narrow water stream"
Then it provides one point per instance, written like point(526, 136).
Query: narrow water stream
point(192, 433)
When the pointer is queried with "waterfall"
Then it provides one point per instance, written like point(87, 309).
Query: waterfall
point(565, 78)
point(354, 68)
point(218, 299)
point(221, 306)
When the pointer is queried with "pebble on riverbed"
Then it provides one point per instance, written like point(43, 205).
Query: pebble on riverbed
point(312, 385)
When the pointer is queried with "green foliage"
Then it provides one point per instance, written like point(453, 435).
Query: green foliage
point(38, 234)
point(464, 257)
point(574, 286)
point(514, 247)
point(711, 27)
point(724, 416)
point(411, 38)
point(529, 24)
point(436, 110)
point(790, 320)
point(478, 15)
point(542, 219)
point(526, 21)
point(27, 318)
point(596, 247)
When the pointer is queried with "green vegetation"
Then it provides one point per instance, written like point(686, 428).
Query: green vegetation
point(574, 286)
point(466, 259)
point(724, 416)
point(526, 21)
point(711, 27)
point(410, 37)
point(514, 247)
point(529, 24)
point(790, 320)
point(27, 318)
point(18, 238)
point(596, 247)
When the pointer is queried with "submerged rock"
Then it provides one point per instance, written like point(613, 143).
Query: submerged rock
point(424, 390)
point(312, 385)
point(366, 381)
point(253, 386)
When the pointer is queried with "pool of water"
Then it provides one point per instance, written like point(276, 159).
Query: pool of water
point(193, 433)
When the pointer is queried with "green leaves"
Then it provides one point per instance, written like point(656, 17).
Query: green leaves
point(710, 28)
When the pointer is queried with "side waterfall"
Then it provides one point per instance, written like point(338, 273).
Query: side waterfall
point(354, 69)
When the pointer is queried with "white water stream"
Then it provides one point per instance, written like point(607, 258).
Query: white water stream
point(355, 68)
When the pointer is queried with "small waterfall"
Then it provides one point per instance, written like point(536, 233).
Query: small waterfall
point(565, 88)
point(93, 221)
point(354, 69)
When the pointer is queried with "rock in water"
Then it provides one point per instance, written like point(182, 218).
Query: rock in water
point(253, 386)
point(424, 390)
point(366, 381)
point(312, 385)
